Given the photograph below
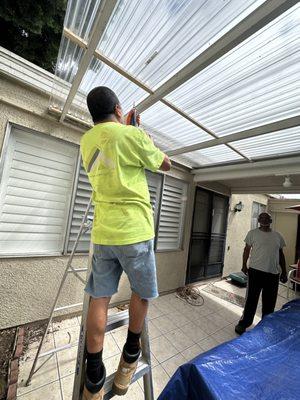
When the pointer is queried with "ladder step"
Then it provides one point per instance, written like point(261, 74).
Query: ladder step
point(67, 307)
point(57, 349)
point(114, 321)
point(142, 369)
point(77, 270)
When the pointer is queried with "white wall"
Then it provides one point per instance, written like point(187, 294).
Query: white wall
point(239, 223)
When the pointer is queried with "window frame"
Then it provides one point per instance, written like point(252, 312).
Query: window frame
point(182, 219)
point(3, 156)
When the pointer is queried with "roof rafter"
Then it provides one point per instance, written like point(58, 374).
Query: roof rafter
point(246, 134)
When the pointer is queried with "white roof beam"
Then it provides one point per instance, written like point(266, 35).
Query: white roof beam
point(266, 189)
point(103, 14)
point(201, 126)
point(279, 166)
point(260, 17)
point(246, 134)
point(97, 54)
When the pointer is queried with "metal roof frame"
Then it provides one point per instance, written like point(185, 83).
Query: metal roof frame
point(249, 133)
point(279, 166)
point(261, 16)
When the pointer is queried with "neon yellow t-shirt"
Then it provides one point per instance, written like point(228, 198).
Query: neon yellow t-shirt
point(115, 157)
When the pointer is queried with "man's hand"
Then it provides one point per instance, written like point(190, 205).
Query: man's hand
point(245, 269)
point(130, 117)
point(283, 277)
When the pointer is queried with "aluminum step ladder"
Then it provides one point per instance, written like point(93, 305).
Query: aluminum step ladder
point(113, 322)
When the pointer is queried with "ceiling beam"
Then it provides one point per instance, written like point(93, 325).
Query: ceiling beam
point(272, 189)
point(279, 166)
point(100, 56)
point(103, 14)
point(260, 17)
point(246, 134)
point(199, 125)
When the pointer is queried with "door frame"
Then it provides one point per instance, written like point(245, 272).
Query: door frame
point(211, 192)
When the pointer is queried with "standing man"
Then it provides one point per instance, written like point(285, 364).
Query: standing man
point(266, 258)
point(115, 157)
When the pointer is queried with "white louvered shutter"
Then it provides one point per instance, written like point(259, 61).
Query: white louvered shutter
point(155, 186)
point(82, 197)
point(172, 214)
point(35, 193)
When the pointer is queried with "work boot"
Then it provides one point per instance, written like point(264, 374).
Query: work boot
point(92, 396)
point(123, 376)
point(94, 391)
point(239, 329)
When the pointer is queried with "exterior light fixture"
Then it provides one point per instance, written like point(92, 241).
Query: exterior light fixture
point(287, 182)
point(238, 207)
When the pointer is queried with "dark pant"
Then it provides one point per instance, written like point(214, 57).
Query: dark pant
point(259, 281)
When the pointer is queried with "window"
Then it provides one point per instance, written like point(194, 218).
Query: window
point(257, 208)
point(172, 214)
point(35, 194)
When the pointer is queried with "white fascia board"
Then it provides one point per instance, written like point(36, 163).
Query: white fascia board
point(280, 166)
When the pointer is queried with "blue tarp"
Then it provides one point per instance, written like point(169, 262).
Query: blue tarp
point(262, 364)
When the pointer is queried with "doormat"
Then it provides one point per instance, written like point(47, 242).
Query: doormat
point(225, 295)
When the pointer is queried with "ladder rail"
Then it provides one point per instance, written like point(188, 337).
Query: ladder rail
point(68, 267)
point(147, 378)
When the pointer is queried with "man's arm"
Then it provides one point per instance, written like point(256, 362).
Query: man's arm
point(245, 258)
point(166, 164)
point(282, 263)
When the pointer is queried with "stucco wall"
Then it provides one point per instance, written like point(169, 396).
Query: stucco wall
point(239, 223)
point(28, 285)
point(286, 222)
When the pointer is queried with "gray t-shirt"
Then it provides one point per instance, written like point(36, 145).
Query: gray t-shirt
point(265, 250)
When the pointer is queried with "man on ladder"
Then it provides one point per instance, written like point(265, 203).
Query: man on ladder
point(115, 157)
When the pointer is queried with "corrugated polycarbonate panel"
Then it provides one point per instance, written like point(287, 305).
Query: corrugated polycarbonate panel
point(177, 130)
point(80, 16)
point(100, 74)
point(165, 143)
point(153, 39)
point(275, 143)
point(68, 59)
point(213, 155)
point(256, 83)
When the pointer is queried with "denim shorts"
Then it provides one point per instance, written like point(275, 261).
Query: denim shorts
point(136, 260)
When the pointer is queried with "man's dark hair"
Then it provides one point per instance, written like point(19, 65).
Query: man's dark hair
point(101, 102)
